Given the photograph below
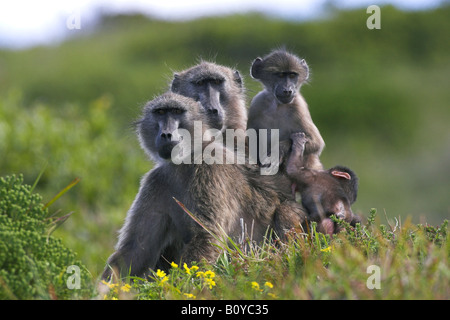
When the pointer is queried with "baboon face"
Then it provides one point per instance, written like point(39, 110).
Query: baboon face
point(212, 85)
point(332, 192)
point(157, 130)
point(281, 73)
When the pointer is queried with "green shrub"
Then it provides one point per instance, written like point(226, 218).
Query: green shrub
point(33, 264)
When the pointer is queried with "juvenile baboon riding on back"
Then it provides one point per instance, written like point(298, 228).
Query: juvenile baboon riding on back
point(281, 106)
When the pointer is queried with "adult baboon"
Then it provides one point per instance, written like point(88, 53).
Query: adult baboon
point(324, 192)
point(281, 106)
point(220, 91)
point(156, 229)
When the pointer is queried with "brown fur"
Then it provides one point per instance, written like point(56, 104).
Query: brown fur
point(324, 192)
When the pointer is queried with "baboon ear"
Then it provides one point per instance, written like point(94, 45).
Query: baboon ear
point(305, 66)
point(237, 78)
point(175, 85)
point(341, 174)
point(256, 68)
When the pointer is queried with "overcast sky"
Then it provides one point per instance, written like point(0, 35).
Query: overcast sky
point(25, 23)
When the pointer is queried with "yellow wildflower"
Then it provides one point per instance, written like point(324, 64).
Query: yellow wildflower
point(188, 270)
point(190, 295)
point(160, 273)
point(162, 277)
point(200, 274)
point(327, 249)
point(268, 285)
point(174, 265)
point(107, 284)
point(161, 282)
point(125, 288)
point(210, 282)
point(255, 285)
point(209, 274)
point(193, 268)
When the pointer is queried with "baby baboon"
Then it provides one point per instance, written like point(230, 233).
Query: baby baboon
point(220, 91)
point(157, 230)
point(281, 106)
point(324, 192)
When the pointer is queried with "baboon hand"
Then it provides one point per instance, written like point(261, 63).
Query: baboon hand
point(299, 139)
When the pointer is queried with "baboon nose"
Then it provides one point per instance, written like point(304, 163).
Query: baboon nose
point(166, 136)
point(287, 92)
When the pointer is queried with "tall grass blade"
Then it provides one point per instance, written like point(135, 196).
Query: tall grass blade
point(63, 191)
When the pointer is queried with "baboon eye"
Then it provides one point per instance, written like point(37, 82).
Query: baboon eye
point(178, 111)
point(292, 75)
point(200, 82)
point(218, 81)
point(160, 111)
point(280, 75)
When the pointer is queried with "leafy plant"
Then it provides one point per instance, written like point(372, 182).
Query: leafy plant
point(34, 264)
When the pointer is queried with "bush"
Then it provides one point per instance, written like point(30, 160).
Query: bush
point(33, 264)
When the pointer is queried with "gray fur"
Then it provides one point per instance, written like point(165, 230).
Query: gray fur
point(281, 106)
point(217, 88)
point(157, 231)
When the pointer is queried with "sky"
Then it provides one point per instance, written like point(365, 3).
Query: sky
point(27, 23)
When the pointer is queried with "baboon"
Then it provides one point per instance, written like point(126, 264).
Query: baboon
point(281, 106)
point(157, 230)
point(220, 91)
point(324, 192)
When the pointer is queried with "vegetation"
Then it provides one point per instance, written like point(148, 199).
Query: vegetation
point(379, 98)
point(367, 262)
point(34, 264)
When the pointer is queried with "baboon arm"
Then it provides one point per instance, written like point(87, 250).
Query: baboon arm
point(140, 246)
point(201, 247)
point(142, 237)
point(295, 161)
point(315, 143)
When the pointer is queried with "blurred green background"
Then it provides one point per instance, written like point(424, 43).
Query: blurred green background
point(379, 97)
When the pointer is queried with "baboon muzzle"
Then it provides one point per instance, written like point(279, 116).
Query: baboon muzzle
point(211, 103)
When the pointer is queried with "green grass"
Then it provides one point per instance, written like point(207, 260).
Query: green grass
point(407, 261)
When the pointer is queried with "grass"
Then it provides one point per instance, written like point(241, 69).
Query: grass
point(371, 261)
